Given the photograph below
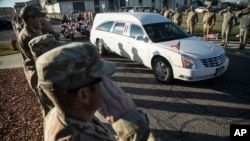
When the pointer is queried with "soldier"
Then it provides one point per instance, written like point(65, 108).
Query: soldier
point(209, 20)
point(244, 19)
point(32, 28)
point(166, 12)
point(177, 17)
point(192, 19)
point(76, 79)
point(229, 21)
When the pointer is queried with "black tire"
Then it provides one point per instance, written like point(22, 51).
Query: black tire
point(100, 48)
point(87, 33)
point(66, 33)
point(162, 70)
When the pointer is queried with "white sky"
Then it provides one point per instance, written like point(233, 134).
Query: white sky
point(10, 3)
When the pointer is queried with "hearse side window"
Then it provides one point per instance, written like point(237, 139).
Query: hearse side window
point(119, 28)
point(136, 31)
point(105, 26)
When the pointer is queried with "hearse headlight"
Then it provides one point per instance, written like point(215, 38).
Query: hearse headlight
point(187, 62)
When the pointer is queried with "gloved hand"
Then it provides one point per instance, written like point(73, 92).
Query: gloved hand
point(116, 102)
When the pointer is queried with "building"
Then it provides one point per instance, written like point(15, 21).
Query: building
point(66, 6)
point(7, 12)
point(18, 5)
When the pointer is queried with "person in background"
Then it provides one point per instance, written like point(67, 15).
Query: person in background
point(65, 19)
point(229, 21)
point(244, 20)
point(166, 12)
point(77, 81)
point(192, 19)
point(17, 24)
point(156, 11)
point(209, 20)
point(177, 17)
point(32, 19)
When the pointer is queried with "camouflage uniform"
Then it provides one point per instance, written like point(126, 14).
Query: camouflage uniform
point(77, 65)
point(209, 20)
point(177, 18)
point(166, 12)
point(229, 21)
point(192, 20)
point(24, 38)
point(57, 126)
point(244, 19)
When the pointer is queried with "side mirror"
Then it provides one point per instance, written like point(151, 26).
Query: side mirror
point(141, 38)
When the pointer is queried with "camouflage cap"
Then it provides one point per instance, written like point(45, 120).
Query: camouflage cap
point(43, 43)
point(71, 66)
point(31, 11)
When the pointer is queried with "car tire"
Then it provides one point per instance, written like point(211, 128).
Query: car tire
point(162, 70)
point(100, 47)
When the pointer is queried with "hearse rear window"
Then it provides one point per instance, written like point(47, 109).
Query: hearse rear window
point(119, 28)
point(105, 26)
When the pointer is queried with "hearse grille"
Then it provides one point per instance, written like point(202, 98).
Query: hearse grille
point(215, 61)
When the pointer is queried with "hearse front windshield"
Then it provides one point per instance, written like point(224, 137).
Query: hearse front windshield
point(167, 31)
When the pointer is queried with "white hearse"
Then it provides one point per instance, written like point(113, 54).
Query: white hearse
point(159, 44)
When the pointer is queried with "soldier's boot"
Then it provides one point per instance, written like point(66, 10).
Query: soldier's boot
point(225, 44)
point(242, 46)
point(222, 42)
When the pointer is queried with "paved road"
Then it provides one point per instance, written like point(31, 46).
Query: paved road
point(183, 111)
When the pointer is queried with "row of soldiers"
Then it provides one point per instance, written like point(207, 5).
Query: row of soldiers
point(209, 20)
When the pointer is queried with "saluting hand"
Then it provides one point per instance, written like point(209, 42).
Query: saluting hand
point(116, 102)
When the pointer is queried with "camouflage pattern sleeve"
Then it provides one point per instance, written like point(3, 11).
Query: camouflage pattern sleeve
point(134, 126)
point(214, 19)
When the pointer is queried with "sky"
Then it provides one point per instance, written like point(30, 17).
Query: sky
point(10, 3)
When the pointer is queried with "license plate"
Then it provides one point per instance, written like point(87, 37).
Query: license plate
point(219, 70)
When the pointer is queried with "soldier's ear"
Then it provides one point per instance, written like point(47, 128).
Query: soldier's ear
point(82, 95)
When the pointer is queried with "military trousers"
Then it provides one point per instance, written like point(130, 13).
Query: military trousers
point(190, 28)
point(243, 36)
point(206, 30)
point(45, 103)
point(225, 32)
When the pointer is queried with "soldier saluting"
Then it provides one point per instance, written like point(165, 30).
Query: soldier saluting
point(177, 17)
point(229, 21)
point(209, 20)
point(192, 19)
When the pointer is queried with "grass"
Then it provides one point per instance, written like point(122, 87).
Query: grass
point(6, 48)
